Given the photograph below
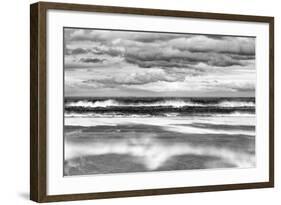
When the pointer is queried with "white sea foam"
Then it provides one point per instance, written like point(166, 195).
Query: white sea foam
point(236, 104)
point(110, 103)
point(85, 103)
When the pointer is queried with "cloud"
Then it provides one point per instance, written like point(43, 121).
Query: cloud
point(164, 50)
point(155, 57)
point(137, 78)
point(213, 36)
point(79, 51)
point(111, 35)
point(240, 86)
point(226, 45)
point(242, 57)
point(159, 62)
point(155, 37)
point(107, 50)
point(91, 60)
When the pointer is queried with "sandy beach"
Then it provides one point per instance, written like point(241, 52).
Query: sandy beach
point(106, 145)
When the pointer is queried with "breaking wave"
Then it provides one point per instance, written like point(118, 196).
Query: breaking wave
point(236, 104)
point(163, 103)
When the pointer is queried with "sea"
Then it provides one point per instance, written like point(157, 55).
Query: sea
point(111, 135)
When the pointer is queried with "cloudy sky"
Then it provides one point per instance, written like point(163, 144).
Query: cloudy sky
point(123, 63)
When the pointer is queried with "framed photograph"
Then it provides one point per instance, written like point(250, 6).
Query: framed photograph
point(135, 102)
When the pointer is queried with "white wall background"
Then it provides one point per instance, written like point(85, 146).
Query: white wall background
point(14, 113)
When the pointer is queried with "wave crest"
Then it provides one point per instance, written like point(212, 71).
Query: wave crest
point(236, 104)
point(163, 103)
point(85, 103)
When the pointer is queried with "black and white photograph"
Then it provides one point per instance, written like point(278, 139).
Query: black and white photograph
point(147, 101)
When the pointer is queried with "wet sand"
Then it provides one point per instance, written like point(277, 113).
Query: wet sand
point(132, 147)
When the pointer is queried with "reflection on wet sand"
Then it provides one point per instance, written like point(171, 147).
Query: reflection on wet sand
point(140, 147)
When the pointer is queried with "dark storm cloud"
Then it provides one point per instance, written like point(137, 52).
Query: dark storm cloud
point(71, 66)
point(164, 63)
point(217, 37)
point(91, 60)
point(79, 51)
point(76, 51)
point(242, 57)
point(94, 50)
point(148, 58)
